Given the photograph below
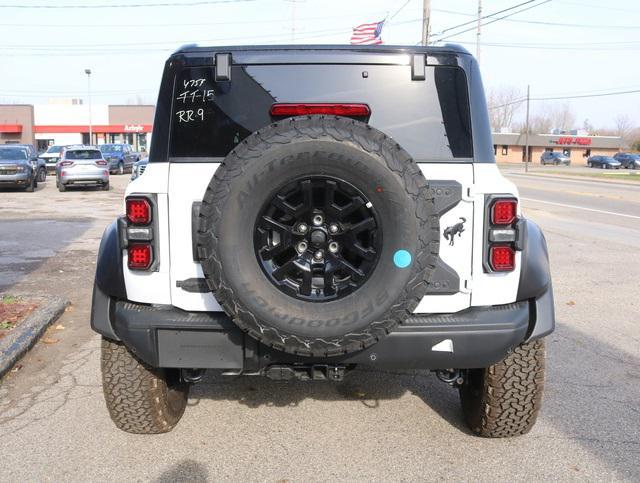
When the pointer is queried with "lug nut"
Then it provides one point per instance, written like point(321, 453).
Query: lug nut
point(318, 255)
point(317, 220)
point(302, 227)
point(333, 228)
point(333, 247)
point(302, 247)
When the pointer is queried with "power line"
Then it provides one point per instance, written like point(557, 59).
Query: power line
point(483, 17)
point(492, 21)
point(550, 24)
point(555, 98)
point(399, 10)
point(124, 5)
point(594, 46)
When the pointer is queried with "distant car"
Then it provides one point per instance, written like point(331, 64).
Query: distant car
point(604, 162)
point(16, 169)
point(555, 158)
point(51, 157)
point(82, 165)
point(138, 168)
point(628, 160)
point(38, 164)
point(120, 157)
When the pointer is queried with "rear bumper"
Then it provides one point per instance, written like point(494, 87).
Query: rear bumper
point(169, 337)
point(85, 177)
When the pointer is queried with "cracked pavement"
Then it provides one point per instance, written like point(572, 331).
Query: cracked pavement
point(374, 425)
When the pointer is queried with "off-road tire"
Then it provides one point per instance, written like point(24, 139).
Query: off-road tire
point(253, 312)
point(504, 399)
point(140, 398)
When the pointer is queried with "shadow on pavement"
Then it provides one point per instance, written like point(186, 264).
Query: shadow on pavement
point(185, 470)
point(591, 396)
point(27, 243)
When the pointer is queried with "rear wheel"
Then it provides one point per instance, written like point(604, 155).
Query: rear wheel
point(504, 399)
point(61, 187)
point(589, 165)
point(105, 186)
point(42, 174)
point(140, 399)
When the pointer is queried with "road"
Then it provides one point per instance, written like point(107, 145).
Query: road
point(374, 425)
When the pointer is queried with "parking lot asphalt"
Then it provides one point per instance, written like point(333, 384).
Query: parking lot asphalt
point(403, 425)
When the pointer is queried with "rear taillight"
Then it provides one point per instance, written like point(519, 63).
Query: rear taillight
point(140, 256)
point(66, 163)
point(138, 233)
point(334, 109)
point(501, 234)
point(138, 211)
point(504, 212)
point(101, 162)
point(502, 258)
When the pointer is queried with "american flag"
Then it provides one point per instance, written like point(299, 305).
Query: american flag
point(367, 34)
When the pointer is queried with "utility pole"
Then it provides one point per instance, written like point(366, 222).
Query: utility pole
point(88, 72)
point(478, 31)
point(526, 134)
point(426, 20)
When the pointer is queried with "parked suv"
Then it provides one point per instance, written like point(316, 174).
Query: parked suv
point(16, 169)
point(121, 157)
point(628, 160)
point(310, 209)
point(554, 157)
point(81, 165)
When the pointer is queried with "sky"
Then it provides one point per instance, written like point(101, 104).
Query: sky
point(559, 47)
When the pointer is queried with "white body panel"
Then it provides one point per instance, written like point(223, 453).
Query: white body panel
point(187, 184)
point(491, 288)
point(179, 185)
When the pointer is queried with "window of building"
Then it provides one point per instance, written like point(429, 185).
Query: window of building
point(505, 149)
point(566, 152)
point(495, 149)
point(548, 150)
point(587, 153)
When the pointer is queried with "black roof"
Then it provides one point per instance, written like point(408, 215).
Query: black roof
point(386, 49)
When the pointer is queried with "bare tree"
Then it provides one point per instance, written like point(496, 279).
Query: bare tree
point(623, 127)
point(563, 117)
point(503, 104)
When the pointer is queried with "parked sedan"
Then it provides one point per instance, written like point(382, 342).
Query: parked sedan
point(604, 162)
point(555, 158)
point(138, 168)
point(82, 165)
point(628, 160)
point(16, 170)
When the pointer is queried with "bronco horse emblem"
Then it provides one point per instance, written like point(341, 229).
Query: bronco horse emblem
point(451, 231)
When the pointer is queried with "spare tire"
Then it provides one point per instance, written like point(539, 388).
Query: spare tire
point(318, 235)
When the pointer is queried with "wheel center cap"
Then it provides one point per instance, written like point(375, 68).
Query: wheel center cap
point(318, 237)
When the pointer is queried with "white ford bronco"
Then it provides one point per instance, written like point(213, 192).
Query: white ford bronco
point(310, 209)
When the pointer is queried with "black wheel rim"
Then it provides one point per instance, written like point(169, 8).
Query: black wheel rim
point(318, 239)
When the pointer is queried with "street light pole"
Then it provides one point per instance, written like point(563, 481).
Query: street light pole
point(526, 133)
point(88, 72)
point(478, 31)
point(426, 20)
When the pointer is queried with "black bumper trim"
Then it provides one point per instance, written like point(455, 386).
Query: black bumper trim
point(165, 336)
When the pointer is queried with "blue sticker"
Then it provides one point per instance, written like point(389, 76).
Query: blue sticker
point(402, 258)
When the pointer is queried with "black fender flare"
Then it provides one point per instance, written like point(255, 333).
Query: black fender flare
point(109, 283)
point(535, 279)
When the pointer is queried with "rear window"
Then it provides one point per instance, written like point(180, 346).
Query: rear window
point(54, 149)
point(111, 148)
point(79, 154)
point(429, 118)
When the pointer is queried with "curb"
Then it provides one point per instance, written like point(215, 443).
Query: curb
point(596, 179)
point(19, 340)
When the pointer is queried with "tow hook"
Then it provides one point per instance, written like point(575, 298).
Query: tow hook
point(192, 376)
point(453, 377)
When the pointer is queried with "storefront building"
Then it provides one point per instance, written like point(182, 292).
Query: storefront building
point(66, 123)
point(510, 148)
